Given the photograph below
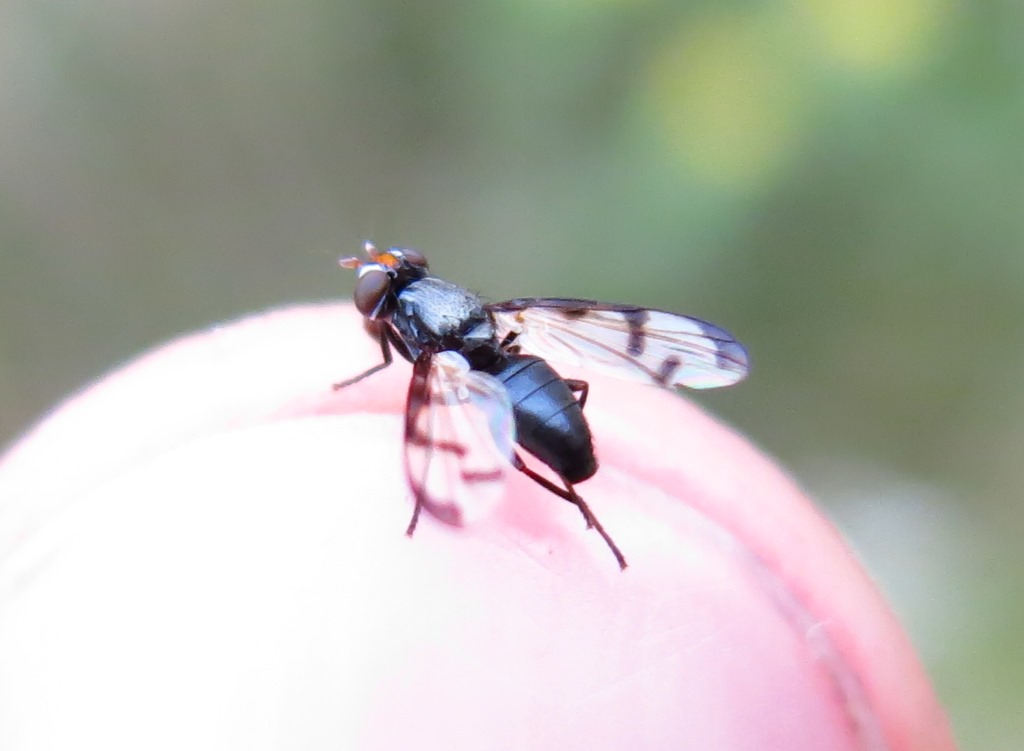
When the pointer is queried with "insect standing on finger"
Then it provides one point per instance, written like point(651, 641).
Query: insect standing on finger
point(482, 382)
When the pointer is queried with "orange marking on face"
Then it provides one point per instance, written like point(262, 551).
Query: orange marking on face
point(387, 259)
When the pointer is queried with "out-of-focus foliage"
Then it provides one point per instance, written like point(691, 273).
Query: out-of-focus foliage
point(840, 183)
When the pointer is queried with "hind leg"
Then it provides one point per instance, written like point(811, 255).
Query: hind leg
point(579, 387)
point(569, 494)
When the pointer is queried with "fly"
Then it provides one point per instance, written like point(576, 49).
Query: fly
point(481, 381)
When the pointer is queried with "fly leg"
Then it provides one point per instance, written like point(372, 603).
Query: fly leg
point(507, 343)
point(568, 493)
point(578, 387)
point(385, 350)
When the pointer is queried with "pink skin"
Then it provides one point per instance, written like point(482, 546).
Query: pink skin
point(206, 550)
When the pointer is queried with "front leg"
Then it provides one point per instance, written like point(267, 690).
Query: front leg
point(385, 350)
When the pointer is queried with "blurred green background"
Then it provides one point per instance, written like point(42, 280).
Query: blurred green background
point(839, 183)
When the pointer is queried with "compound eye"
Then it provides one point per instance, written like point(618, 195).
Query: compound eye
point(414, 257)
point(371, 288)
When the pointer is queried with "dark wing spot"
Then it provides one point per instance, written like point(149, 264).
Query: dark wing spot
point(574, 313)
point(415, 438)
point(668, 369)
point(479, 475)
point(732, 356)
point(636, 319)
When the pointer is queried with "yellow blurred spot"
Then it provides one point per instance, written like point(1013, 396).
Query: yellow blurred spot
point(727, 98)
point(876, 35)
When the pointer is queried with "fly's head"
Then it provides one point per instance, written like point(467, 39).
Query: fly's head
point(382, 275)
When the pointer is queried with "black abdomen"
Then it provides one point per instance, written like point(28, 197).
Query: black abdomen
point(549, 421)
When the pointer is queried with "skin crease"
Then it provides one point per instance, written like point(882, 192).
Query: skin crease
point(205, 550)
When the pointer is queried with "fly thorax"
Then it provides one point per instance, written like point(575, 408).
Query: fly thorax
point(435, 314)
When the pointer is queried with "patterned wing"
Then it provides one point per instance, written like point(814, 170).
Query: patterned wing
point(624, 341)
point(459, 438)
